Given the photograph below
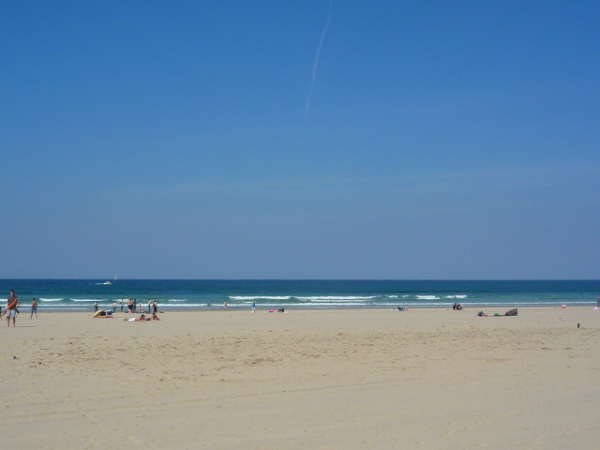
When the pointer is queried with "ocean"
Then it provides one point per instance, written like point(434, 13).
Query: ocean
point(180, 295)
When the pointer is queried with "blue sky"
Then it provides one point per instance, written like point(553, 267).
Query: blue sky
point(162, 139)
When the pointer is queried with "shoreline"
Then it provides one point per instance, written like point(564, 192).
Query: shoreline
point(247, 309)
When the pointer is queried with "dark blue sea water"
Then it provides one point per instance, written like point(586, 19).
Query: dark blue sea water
point(80, 295)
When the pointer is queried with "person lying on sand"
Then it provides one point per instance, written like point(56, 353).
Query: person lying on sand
point(103, 314)
point(482, 314)
point(511, 312)
point(142, 318)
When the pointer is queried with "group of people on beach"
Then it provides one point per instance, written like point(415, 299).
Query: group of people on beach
point(107, 314)
point(12, 309)
point(133, 306)
point(13, 304)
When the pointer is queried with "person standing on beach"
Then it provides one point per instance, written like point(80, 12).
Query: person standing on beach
point(224, 304)
point(253, 306)
point(33, 309)
point(129, 306)
point(11, 308)
point(96, 306)
point(121, 305)
point(134, 305)
point(149, 305)
point(598, 301)
point(114, 306)
point(155, 306)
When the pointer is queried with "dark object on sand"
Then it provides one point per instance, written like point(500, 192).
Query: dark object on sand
point(512, 312)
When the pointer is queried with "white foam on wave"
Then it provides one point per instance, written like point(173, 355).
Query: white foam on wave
point(456, 296)
point(334, 298)
point(427, 305)
point(193, 306)
point(315, 305)
point(427, 297)
point(259, 297)
point(51, 299)
point(177, 300)
point(90, 300)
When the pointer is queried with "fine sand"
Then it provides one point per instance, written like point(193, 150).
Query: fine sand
point(346, 379)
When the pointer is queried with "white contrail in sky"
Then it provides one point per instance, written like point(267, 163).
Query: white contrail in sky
point(314, 73)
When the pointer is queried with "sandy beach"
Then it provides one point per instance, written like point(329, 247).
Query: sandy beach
point(348, 379)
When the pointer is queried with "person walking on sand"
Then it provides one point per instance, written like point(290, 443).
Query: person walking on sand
point(253, 306)
point(224, 304)
point(33, 309)
point(11, 308)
